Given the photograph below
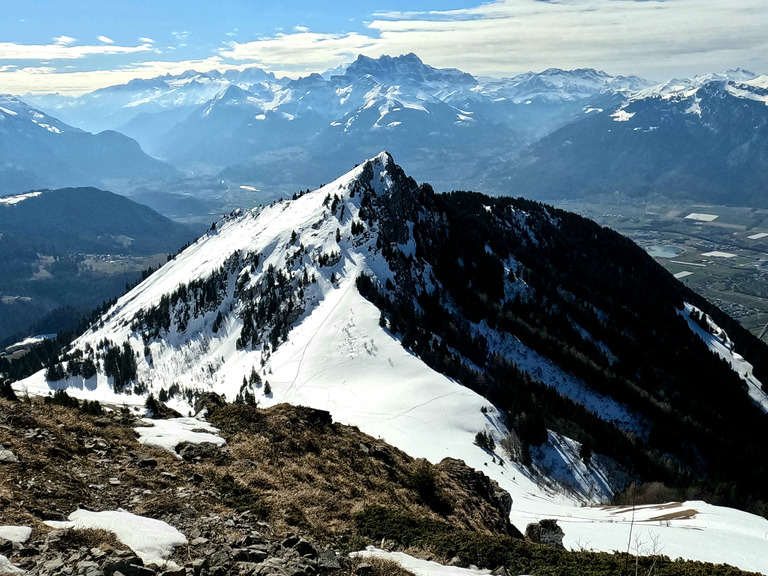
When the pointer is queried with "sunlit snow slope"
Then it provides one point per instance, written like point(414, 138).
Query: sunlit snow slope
point(318, 342)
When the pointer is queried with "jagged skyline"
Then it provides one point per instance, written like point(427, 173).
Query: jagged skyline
point(81, 46)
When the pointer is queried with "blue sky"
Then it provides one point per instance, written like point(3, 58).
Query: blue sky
point(80, 45)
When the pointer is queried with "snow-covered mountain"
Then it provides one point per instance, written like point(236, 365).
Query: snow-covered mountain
point(253, 125)
point(564, 85)
point(161, 99)
point(702, 139)
point(39, 151)
point(456, 325)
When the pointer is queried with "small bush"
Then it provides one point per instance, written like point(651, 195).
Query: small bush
point(485, 440)
point(61, 398)
point(7, 392)
point(423, 479)
point(650, 493)
point(93, 408)
point(76, 538)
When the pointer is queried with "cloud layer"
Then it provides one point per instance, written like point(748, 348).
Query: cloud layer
point(655, 38)
point(63, 49)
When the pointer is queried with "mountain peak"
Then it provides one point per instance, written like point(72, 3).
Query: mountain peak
point(404, 67)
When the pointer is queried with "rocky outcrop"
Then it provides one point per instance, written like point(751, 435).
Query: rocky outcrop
point(493, 502)
point(545, 532)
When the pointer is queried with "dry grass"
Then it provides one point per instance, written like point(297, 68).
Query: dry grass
point(680, 515)
point(379, 566)
point(288, 465)
point(71, 540)
point(299, 461)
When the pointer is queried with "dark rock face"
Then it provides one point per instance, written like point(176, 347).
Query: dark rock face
point(485, 491)
point(546, 532)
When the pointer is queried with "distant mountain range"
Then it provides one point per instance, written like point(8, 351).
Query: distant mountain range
point(549, 135)
point(253, 128)
point(39, 151)
point(704, 140)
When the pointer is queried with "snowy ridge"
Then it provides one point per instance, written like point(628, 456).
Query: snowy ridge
point(13, 110)
point(555, 84)
point(16, 198)
point(718, 341)
point(319, 343)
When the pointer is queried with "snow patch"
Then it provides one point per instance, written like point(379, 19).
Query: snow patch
point(417, 566)
point(170, 433)
point(152, 540)
point(15, 533)
point(622, 116)
point(15, 199)
point(6, 567)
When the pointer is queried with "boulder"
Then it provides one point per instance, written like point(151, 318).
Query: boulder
point(546, 532)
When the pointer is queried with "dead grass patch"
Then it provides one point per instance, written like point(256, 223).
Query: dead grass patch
point(75, 538)
point(379, 566)
point(680, 515)
point(298, 459)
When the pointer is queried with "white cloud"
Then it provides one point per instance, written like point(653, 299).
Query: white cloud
point(105, 39)
point(61, 50)
point(299, 53)
point(48, 79)
point(64, 40)
point(654, 37)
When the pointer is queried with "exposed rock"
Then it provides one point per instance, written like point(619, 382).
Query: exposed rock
point(53, 565)
point(5, 546)
point(328, 561)
point(484, 489)
point(147, 463)
point(254, 555)
point(546, 532)
point(209, 401)
point(112, 568)
point(201, 451)
point(305, 549)
point(382, 453)
point(8, 457)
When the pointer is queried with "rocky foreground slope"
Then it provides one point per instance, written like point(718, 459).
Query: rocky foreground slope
point(291, 493)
